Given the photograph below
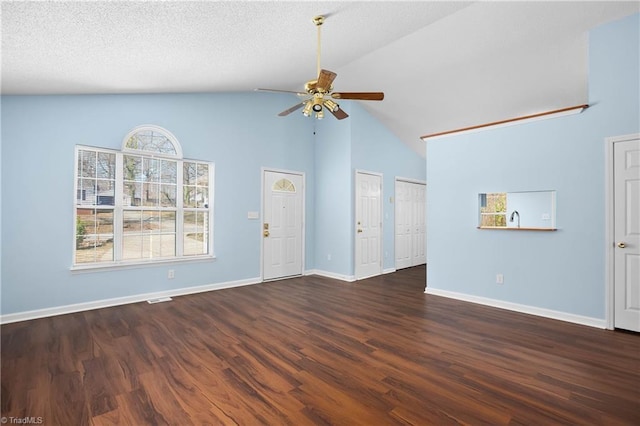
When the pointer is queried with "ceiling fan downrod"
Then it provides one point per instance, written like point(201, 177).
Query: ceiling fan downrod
point(318, 21)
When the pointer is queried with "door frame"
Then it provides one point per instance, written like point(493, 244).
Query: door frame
point(303, 248)
point(609, 226)
point(380, 213)
point(395, 211)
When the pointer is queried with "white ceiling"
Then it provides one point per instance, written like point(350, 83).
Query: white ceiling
point(442, 65)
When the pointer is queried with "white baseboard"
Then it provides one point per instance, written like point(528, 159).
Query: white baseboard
point(348, 278)
point(86, 306)
point(525, 309)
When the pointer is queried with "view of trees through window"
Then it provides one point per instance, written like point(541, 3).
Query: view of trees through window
point(147, 208)
point(493, 209)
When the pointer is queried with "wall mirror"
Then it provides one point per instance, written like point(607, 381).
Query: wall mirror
point(527, 210)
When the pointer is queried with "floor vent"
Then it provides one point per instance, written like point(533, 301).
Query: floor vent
point(159, 299)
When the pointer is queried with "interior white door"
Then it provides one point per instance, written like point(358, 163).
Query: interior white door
point(626, 229)
point(410, 224)
point(418, 224)
point(368, 241)
point(282, 225)
point(404, 225)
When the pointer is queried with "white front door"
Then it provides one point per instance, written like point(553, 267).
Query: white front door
point(626, 229)
point(368, 242)
point(410, 224)
point(282, 247)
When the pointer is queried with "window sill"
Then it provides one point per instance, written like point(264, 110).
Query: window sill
point(504, 228)
point(134, 265)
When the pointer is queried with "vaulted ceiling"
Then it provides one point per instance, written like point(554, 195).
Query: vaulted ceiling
point(442, 65)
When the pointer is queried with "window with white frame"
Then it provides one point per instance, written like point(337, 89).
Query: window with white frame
point(142, 204)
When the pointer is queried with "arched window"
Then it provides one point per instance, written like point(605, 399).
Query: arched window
point(284, 185)
point(141, 204)
point(152, 140)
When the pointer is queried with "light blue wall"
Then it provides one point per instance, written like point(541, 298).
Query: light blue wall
point(236, 131)
point(343, 147)
point(373, 145)
point(239, 132)
point(563, 270)
point(333, 197)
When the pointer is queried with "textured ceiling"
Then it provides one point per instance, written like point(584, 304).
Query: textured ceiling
point(442, 65)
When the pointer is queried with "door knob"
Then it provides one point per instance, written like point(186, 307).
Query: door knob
point(359, 231)
point(622, 245)
point(265, 233)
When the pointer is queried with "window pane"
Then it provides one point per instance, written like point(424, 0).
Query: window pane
point(132, 168)
point(161, 245)
point(94, 235)
point(105, 195)
point(168, 195)
point(131, 221)
point(150, 168)
point(189, 173)
point(132, 194)
point(132, 247)
point(106, 167)
point(149, 234)
point(196, 233)
point(86, 194)
point(169, 171)
point(203, 174)
point(493, 220)
point(495, 203)
point(202, 197)
point(150, 194)
point(284, 185)
point(87, 166)
point(189, 193)
point(168, 222)
point(150, 221)
point(152, 141)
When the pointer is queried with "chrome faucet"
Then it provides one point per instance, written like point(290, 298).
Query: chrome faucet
point(515, 213)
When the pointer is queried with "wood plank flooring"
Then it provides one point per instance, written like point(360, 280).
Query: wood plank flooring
point(316, 351)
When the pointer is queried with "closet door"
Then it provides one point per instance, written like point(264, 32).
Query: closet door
point(418, 224)
point(403, 217)
point(410, 228)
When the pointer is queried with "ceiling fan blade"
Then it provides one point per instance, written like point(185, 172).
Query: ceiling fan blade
point(363, 96)
point(339, 113)
point(293, 108)
point(281, 91)
point(325, 79)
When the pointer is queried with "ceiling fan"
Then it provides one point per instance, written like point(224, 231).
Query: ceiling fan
point(319, 93)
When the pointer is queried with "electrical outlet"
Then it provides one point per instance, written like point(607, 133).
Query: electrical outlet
point(171, 274)
point(329, 256)
point(499, 279)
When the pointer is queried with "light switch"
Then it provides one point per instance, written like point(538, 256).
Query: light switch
point(253, 215)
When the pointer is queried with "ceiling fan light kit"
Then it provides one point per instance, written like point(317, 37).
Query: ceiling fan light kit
point(316, 90)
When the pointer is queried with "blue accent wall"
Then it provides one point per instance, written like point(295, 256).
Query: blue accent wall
point(344, 147)
point(239, 132)
point(564, 270)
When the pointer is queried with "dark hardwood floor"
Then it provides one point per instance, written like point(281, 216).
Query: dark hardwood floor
point(313, 350)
